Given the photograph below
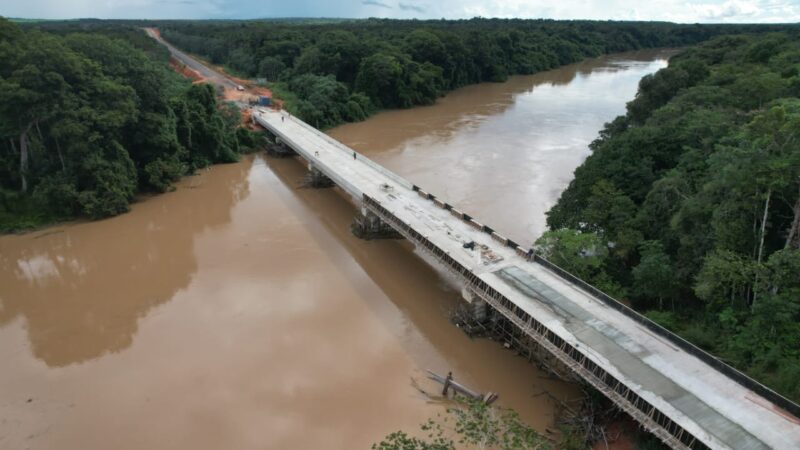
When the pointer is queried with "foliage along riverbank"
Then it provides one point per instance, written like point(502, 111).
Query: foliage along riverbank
point(689, 205)
point(88, 120)
point(329, 73)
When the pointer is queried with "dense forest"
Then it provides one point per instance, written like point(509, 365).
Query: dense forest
point(689, 205)
point(330, 73)
point(88, 120)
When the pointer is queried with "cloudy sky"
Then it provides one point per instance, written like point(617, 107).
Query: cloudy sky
point(670, 10)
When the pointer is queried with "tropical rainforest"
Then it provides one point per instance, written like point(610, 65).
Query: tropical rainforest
point(88, 120)
point(329, 73)
point(689, 205)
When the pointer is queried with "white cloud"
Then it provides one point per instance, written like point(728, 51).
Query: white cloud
point(667, 10)
point(726, 10)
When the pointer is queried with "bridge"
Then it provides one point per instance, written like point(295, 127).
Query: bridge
point(686, 397)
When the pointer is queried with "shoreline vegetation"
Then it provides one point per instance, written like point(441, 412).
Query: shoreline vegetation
point(689, 205)
point(332, 73)
point(92, 115)
point(92, 118)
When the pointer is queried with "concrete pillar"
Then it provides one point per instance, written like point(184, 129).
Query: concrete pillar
point(276, 148)
point(315, 178)
point(367, 225)
point(477, 306)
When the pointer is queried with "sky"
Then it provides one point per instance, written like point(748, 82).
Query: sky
point(686, 11)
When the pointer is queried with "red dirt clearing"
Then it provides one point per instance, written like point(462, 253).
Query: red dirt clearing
point(182, 69)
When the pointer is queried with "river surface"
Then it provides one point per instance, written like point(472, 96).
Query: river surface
point(504, 152)
point(239, 312)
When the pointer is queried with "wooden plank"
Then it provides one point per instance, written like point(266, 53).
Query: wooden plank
point(456, 386)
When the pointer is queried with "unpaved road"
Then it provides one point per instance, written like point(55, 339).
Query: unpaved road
point(209, 74)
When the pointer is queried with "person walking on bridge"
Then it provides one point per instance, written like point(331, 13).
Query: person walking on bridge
point(354, 156)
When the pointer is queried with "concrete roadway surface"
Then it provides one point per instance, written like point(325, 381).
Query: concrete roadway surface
point(707, 403)
point(211, 75)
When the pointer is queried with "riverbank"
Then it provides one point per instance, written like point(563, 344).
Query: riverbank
point(260, 319)
point(508, 149)
point(216, 288)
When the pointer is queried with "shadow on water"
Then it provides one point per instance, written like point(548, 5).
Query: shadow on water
point(82, 288)
point(425, 295)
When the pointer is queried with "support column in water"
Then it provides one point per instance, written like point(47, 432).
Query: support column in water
point(277, 148)
point(316, 178)
point(477, 306)
point(367, 225)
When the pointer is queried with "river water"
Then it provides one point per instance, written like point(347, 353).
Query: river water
point(504, 152)
point(239, 312)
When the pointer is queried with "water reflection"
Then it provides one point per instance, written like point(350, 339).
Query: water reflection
point(82, 288)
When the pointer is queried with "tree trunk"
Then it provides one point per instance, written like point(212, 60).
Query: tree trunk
point(60, 156)
point(41, 138)
point(755, 231)
point(23, 156)
point(794, 231)
point(764, 226)
point(761, 243)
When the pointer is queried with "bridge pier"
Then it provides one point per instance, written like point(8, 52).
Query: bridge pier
point(367, 225)
point(315, 178)
point(489, 322)
point(478, 308)
point(278, 149)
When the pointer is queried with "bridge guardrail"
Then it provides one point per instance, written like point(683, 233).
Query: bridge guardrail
point(646, 413)
point(685, 345)
point(728, 370)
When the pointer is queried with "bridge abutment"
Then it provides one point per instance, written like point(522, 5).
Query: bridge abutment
point(367, 225)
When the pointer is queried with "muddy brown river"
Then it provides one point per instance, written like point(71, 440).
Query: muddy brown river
point(239, 312)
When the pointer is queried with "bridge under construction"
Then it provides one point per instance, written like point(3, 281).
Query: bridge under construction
point(686, 397)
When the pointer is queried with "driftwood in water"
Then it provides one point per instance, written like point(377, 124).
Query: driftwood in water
point(449, 383)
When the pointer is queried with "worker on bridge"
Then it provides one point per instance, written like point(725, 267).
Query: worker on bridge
point(354, 156)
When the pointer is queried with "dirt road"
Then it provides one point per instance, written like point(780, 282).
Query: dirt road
point(209, 74)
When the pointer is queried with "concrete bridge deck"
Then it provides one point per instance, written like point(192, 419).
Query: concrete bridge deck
point(684, 396)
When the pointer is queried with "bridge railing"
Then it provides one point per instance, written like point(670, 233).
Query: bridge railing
point(685, 345)
point(724, 368)
point(644, 412)
point(711, 360)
